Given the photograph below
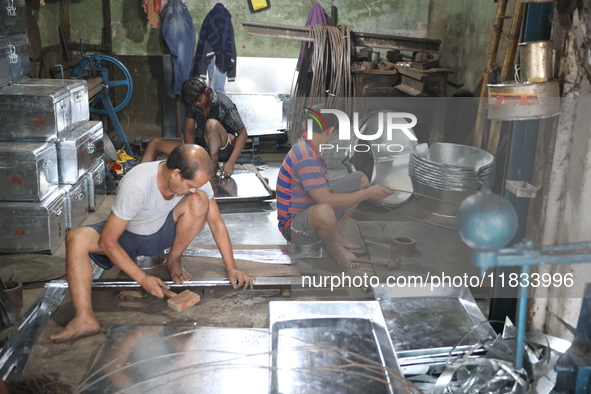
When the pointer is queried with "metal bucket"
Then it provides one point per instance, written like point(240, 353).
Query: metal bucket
point(536, 61)
point(524, 101)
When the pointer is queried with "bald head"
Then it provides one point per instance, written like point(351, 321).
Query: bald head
point(189, 159)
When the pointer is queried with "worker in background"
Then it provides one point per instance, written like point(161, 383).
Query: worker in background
point(311, 209)
point(216, 123)
point(159, 205)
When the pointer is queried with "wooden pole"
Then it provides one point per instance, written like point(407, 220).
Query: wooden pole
point(489, 66)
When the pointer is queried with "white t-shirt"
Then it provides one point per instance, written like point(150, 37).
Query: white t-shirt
point(140, 202)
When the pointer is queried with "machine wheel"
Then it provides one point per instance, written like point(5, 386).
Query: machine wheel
point(97, 66)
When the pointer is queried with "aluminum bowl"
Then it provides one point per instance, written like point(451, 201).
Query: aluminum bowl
point(149, 262)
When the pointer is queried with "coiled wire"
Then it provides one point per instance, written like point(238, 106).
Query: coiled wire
point(329, 83)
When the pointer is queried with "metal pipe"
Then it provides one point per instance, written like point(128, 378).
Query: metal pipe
point(95, 85)
point(521, 320)
point(204, 282)
point(302, 33)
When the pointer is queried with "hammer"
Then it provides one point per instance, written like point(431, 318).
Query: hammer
point(391, 265)
point(180, 302)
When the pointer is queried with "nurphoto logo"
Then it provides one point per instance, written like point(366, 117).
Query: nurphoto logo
point(394, 121)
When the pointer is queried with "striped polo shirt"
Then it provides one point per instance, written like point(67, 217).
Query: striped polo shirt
point(302, 170)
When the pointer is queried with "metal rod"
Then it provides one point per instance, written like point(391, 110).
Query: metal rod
point(521, 320)
point(204, 282)
point(302, 33)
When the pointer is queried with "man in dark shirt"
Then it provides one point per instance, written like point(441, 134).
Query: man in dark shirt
point(216, 123)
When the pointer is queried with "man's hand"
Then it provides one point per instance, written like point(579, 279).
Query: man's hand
point(379, 192)
point(153, 285)
point(240, 279)
point(227, 169)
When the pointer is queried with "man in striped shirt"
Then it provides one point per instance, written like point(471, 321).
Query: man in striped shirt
point(311, 209)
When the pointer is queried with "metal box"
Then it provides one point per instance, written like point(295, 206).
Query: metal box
point(78, 89)
point(79, 150)
point(27, 227)
point(28, 170)
point(13, 18)
point(96, 184)
point(35, 113)
point(76, 203)
point(14, 58)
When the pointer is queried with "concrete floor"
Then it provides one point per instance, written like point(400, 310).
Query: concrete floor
point(441, 249)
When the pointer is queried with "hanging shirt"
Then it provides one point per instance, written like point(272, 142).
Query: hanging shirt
point(216, 38)
point(316, 16)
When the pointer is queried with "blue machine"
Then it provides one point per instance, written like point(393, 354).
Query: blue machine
point(94, 66)
point(486, 223)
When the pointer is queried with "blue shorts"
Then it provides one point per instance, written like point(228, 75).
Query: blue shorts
point(139, 245)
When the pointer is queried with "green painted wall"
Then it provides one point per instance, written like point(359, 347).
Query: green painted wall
point(86, 21)
point(47, 17)
point(464, 26)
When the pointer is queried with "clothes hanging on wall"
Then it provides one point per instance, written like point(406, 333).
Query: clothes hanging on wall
point(316, 16)
point(179, 34)
point(149, 9)
point(216, 44)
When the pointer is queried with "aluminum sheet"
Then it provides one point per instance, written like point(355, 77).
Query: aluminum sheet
point(241, 186)
point(166, 359)
point(425, 322)
point(267, 256)
point(337, 344)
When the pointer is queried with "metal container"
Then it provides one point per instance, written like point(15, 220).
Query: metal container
point(430, 321)
point(344, 343)
point(79, 150)
point(444, 174)
point(523, 101)
point(96, 184)
point(536, 61)
point(28, 227)
point(384, 161)
point(35, 113)
point(78, 89)
point(149, 262)
point(13, 18)
point(28, 170)
point(14, 58)
point(76, 203)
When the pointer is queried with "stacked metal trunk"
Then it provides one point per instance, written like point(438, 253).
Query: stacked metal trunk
point(50, 153)
point(445, 174)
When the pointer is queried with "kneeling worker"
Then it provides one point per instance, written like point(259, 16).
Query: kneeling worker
point(159, 205)
point(212, 121)
point(311, 209)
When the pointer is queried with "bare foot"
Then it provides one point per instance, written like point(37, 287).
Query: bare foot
point(79, 327)
point(342, 256)
point(347, 243)
point(177, 272)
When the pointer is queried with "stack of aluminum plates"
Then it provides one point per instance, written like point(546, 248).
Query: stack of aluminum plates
point(449, 173)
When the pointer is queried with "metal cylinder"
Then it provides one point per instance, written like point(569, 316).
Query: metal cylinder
point(536, 61)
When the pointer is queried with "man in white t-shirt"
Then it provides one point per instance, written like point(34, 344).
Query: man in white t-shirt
point(159, 205)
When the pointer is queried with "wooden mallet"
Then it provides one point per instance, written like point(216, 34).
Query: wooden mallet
point(181, 301)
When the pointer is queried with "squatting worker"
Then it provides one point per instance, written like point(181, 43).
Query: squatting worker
point(159, 205)
point(311, 209)
point(216, 123)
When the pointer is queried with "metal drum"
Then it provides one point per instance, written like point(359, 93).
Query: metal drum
point(445, 174)
point(384, 160)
